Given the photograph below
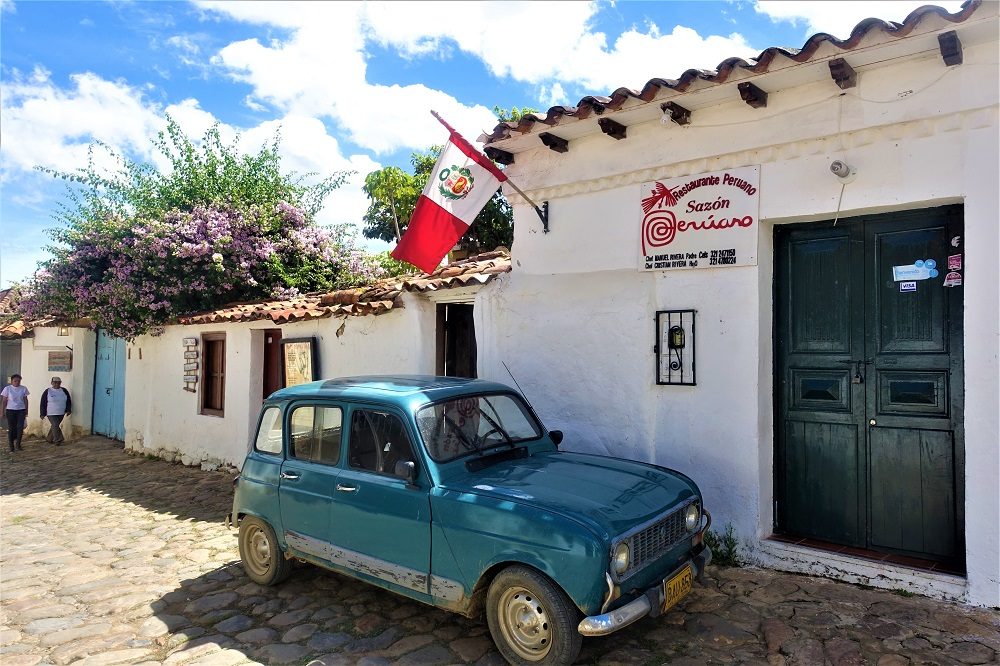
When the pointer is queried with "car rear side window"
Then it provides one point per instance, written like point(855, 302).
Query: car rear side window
point(316, 433)
point(378, 441)
point(269, 434)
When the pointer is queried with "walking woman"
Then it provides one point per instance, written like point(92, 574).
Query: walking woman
point(15, 407)
point(55, 405)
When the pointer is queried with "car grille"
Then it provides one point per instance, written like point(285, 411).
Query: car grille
point(652, 542)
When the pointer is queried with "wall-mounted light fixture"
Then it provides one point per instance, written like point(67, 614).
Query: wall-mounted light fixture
point(842, 170)
point(63, 331)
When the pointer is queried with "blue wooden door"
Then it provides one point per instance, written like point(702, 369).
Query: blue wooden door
point(109, 387)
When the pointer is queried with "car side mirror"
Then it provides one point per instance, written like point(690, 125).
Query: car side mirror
point(406, 469)
point(556, 436)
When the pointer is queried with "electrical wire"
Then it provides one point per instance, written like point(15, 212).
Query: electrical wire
point(839, 200)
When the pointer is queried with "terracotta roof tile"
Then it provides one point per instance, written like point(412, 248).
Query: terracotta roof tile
point(596, 104)
point(377, 299)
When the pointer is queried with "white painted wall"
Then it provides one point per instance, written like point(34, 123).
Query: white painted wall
point(79, 381)
point(164, 419)
point(575, 320)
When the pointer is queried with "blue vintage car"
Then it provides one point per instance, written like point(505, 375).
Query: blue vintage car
point(451, 492)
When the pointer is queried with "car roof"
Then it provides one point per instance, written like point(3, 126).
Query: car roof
point(403, 390)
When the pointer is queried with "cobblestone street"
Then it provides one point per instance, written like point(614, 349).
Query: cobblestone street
point(109, 558)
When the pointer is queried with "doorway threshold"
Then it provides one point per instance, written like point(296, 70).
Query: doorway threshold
point(917, 563)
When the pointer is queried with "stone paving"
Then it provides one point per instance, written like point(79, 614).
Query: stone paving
point(107, 558)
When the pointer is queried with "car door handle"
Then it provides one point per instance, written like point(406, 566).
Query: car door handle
point(291, 476)
point(346, 489)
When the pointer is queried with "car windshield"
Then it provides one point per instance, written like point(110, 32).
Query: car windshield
point(473, 423)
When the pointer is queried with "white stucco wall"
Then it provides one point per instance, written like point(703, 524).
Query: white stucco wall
point(79, 381)
point(575, 320)
point(163, 419)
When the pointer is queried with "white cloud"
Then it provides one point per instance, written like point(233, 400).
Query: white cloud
point(838, 17)
point(53, 127)
point(551, 96)
point(186, 47)
point(320, 71)
point(550, 42)
point(318, 67)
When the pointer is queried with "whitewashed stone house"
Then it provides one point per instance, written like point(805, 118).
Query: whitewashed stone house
point(781, 277)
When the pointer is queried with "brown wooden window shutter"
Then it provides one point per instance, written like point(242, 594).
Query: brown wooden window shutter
point(213, 374)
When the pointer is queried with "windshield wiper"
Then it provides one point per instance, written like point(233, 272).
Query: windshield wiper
point(466, 442)
point(496, 429)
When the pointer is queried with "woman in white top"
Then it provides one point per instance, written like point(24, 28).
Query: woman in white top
point(55, 406)
point(15, 407)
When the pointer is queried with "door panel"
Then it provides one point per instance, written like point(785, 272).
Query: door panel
point(869, 384)
point(908, 321)
point(913, 491)
point(272, 361)
point(380, 524)
point(309, 474)
point(820, 303)
point(109, 387)
point(822, 483)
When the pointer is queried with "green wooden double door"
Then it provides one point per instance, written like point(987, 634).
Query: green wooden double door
point(869, 386)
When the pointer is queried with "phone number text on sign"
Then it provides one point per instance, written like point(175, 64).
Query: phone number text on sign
point(703, 221)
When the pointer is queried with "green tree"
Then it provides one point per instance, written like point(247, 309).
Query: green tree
point(393, 193)
point(514, 114)
point(140, 246)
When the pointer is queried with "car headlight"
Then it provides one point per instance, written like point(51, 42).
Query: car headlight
point(692, 518)
point(620, 561)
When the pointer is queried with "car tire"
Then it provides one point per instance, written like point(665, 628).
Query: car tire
point(260, 553)
point(531, 619)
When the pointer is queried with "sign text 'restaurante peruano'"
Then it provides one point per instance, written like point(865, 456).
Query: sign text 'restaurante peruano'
point(703, 221)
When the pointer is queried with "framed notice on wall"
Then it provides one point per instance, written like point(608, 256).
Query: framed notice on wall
point(299, 362)
point(709, 220)
point(60, 361)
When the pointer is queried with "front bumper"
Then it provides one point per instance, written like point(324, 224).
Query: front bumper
point(606, 623)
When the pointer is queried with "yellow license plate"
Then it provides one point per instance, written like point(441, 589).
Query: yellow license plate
point(677, 587)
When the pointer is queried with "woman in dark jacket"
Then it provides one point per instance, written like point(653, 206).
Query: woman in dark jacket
point(56, 405)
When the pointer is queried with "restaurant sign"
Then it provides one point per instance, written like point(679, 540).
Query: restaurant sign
point(704, 221)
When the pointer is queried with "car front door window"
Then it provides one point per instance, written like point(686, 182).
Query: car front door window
point(378, 441)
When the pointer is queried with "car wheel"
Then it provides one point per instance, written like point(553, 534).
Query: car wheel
point(262, 557)
point(532, 621)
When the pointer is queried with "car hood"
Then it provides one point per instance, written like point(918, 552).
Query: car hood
point(609, 494)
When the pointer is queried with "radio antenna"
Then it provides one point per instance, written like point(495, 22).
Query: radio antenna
point(515, 381)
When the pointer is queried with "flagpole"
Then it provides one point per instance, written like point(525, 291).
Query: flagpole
point(542, 212)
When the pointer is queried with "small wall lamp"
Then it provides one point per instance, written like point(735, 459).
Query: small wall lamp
point(63, 331)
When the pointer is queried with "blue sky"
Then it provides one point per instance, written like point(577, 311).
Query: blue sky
point(349, 84)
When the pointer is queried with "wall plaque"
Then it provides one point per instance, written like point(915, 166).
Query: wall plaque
point(190, 342)
point(60, 361)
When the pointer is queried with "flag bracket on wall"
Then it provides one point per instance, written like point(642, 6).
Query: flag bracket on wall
point(542, 212)
point(543, 215)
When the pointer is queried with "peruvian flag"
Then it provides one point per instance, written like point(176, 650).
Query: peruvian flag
point(461, 184)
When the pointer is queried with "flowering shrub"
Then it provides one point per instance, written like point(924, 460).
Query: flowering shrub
point(140, 249)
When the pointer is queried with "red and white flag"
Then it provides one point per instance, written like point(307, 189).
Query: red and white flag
point(461, 184)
